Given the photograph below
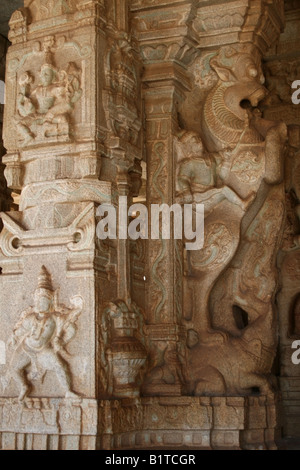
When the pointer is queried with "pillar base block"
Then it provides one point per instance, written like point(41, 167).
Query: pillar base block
point(194, 423)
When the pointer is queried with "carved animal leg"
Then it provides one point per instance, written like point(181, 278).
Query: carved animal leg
point(256, 381)
point(212, 384)
point(275, 140)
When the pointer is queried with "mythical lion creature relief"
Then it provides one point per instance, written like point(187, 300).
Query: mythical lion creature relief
point(236, 169)
point(44, 110)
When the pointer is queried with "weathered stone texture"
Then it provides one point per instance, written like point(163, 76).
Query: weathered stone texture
point(124, 344)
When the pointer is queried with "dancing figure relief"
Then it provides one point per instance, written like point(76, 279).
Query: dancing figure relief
point(39, 340)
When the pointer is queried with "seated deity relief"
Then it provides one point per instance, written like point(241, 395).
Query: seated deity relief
point(44, 110)
point(39, 340)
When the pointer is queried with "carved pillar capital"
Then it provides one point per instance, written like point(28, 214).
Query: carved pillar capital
point(258, 23)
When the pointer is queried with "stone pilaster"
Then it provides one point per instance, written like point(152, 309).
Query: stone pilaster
point(5, 197)
point(82, 365)
point(167, 46)
point(72, 134)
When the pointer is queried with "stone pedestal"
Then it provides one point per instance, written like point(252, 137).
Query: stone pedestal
point(49, 424)
point(133, 424)
point(195, 423)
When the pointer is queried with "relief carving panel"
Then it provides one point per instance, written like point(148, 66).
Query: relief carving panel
point(39, 340)
point(236, 169)
point(179, 85)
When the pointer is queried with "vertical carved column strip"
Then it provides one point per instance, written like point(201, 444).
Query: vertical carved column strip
point(122, 352)
point(124, 291)
point(52, 276)
point(165, 53)
point(5, 197)
point(164, 296)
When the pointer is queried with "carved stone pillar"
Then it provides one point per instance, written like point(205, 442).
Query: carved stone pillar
point(71, 132)
point(82, 366)
point(164, 296)
point(54, 140)
point(237, 172)
point(5, 197)
point(166, 47)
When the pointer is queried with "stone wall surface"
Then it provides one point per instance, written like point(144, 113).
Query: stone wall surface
point(146, 344)
point(278, 105)
point(5, 198)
